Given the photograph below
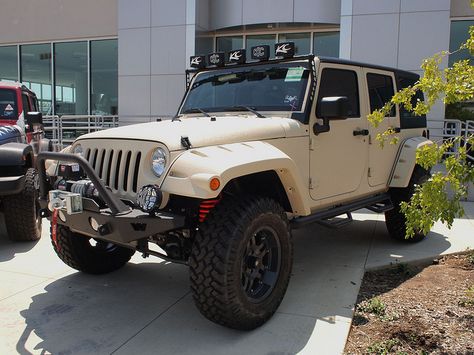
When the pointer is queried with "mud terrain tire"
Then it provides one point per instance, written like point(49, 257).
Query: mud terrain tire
point(241, 262)
point(21, 211)
point(80, 253)
point(395, 219)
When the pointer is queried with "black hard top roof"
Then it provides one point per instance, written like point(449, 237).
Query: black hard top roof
point(397, 72)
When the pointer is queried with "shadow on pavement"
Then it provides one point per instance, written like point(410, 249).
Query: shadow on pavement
point(147, 307)
point(9, 248)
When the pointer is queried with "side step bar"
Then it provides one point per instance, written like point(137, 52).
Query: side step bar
point(378, 203)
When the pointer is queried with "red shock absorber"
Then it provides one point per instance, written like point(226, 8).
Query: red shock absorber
point(205, 207)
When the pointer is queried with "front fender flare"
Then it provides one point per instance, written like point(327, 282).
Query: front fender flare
point(406, 161)
point(192, 171)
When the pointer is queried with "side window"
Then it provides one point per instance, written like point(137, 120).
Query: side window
point(380, 91)
point(340, 82)
point(26, 103)
point(33, 105)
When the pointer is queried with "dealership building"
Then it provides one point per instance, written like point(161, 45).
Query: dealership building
point(128, 58)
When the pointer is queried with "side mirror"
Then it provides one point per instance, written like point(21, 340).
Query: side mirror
point(34, 118)
point(331, 108)
point(334, 107)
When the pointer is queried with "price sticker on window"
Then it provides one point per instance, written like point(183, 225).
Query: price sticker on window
point(294, 74)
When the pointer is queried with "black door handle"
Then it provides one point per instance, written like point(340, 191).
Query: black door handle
point(361, 132)
point(397, 129)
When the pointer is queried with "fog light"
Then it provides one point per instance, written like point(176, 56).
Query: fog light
point(149, 198)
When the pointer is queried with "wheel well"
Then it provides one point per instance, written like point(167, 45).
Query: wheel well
point(265, 183)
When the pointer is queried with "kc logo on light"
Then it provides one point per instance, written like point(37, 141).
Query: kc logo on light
point(235, 56)
point(196, 60)
point(214, 59)
point(258, 51)
point(283, 48)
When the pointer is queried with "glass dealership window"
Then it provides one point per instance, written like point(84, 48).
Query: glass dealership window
point(8, 63)
point(104, 77)
point(70, 65)
point(257, 40)
point(459, 34)
point(302, 41)
point(326, 44)
point(204, 45)
point(229, 43)
point(36, 72)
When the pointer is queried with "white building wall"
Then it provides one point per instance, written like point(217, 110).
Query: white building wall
point(25, 21)
point(155, 38)
point(397, 33)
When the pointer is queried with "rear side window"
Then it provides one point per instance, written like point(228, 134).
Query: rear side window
point(407, 118)
point(8, 106)
point(340, 82)
point(380, 91)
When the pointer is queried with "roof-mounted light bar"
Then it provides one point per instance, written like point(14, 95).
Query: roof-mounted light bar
point(238, 56)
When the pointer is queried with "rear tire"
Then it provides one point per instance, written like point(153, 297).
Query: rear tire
point(22, 218)
point(395, 219)
point(241, 262)
point(88, 255)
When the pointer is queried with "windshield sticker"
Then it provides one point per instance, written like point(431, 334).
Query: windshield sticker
point(294, 74)
point(9, 108)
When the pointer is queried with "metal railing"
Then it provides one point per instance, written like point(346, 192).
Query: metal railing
point(63, 130)
point(452, 129)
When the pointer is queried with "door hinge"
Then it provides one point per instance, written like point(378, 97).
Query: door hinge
point(369, 173)
point(370, 139)
point(311, 144)
point(310, 183)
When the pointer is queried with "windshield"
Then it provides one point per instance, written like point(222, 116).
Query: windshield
point(8, 108)
point(262, 87)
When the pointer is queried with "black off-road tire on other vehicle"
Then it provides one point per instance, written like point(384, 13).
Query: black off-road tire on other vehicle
point(241, 262)
point(21, 211)
point(395, 219)
point(88, 255)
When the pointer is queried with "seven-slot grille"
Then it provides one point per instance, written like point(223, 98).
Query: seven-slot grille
point(117, 168)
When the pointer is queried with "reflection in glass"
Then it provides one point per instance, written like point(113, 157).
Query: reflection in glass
point(459, 34)
point(8, 63)
point(70, 63)
point(326, 44)
point(258, 40)
point(104, 77)
point(204, 45)
point(229, 43)
point(36, 72)
point(302, 41)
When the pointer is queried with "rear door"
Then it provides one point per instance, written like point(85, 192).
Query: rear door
point(381, 88)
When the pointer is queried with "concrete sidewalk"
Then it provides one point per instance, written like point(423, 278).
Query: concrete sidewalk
point(146, 307)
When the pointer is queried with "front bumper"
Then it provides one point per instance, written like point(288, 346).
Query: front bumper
point(11, 185)
point(118, 223)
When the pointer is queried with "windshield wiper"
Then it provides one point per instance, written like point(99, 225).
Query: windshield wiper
point(196, 109)
point(247, 108)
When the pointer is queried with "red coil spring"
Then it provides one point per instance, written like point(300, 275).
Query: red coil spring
point(205, 207)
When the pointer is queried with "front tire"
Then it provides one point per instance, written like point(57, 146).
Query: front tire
point(241, 262)
point(87, 254)
point(395, 219)
point(22, 217)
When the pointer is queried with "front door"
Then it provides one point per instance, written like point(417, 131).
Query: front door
point(338, 158)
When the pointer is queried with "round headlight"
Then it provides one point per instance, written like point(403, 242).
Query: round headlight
point(77, 149)
point(158, 161)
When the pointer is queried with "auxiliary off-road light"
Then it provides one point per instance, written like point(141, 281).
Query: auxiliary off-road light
point(149, 198)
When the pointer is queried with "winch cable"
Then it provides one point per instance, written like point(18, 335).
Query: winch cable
point(54, 228)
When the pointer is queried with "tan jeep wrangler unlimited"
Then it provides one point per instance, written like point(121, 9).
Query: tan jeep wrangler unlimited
point(255, 150)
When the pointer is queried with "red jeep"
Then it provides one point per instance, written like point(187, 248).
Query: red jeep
point(21, 139)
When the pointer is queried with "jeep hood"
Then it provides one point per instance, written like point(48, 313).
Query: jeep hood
point(201, 131)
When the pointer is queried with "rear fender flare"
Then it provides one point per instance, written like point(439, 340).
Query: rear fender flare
point(406, 161)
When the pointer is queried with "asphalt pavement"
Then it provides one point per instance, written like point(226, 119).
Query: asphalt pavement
point(146, 307)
